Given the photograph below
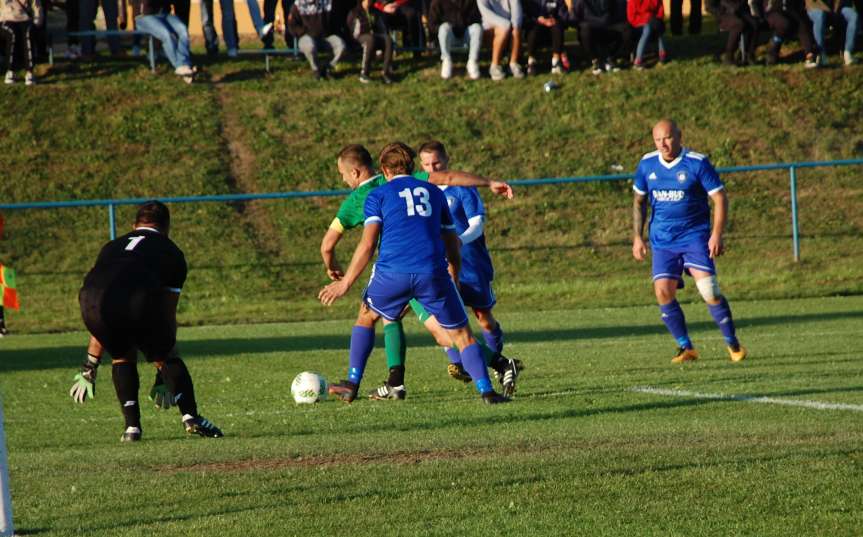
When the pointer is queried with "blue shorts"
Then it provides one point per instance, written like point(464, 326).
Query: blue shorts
point(389, 292)
point(671, 263)
point(477, 295)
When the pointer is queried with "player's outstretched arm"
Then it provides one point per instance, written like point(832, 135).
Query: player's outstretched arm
point(362, 255)
point(639, 213)
point(328, 254)
point(720, 215)
point(459, 178)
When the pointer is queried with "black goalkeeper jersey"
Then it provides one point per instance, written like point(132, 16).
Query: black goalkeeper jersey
point(145, 255)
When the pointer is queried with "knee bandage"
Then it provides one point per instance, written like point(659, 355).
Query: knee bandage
point(709, 288)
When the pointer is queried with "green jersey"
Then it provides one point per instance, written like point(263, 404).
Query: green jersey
point(351, 213)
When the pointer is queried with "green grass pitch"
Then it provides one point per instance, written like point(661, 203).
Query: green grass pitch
point(579, 451)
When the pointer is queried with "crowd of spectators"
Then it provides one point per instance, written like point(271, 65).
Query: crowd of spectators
point(613, 34)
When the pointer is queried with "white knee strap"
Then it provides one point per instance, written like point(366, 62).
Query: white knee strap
point(709, 288)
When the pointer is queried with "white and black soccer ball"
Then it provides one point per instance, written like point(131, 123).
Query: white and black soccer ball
point(309, 387)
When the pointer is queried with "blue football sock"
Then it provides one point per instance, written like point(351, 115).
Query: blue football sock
point(362, 343)
point(453, 355)
point(672, 316)
point(722, 315)
point(494, 338)
point(475, 366)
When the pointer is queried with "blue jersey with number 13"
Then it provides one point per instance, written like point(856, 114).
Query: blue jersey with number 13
point(412, 215)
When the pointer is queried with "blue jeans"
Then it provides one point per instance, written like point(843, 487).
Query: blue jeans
point(229, 25)
point(172, 33)
point(446, 38)
point(819, 23)
point(255, 14)
point(646, 32)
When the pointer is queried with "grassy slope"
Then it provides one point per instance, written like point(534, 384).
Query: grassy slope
point(577, 453)
point(98, 133)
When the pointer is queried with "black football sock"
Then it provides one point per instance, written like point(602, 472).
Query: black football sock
point(498, 363)
point(126, 383)
point(179, 383)
point(397, 376)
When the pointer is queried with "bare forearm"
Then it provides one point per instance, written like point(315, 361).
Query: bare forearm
point(359, 261)
point(720, 212)
point(639, 213)
point(328, 248)
point(457, 178)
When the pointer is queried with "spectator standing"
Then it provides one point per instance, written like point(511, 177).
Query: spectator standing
point(647, 15)
point(677, 17)
point(361, 24)
point(452, 20)
point(310, 22)
point(17, 19)
point(86, 23)
point(503, 18)
point(229, 27)
point(836, 12)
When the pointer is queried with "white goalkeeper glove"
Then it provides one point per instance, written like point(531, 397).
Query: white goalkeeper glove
point(85, 380)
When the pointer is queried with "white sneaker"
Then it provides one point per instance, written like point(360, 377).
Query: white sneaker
point(610, 67)
point(848, 58)
point(184, 70)
point(446, 68)
point(266, 30)
point(473, 69)
point(10, 78)
point(233, 53)
point(516, 70)
point(29, 79)
point(496, 72)
point(557, 69)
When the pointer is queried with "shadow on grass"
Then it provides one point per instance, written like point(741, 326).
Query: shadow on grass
point(69, 356)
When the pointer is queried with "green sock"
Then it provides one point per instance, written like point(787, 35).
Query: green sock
point(394, 344)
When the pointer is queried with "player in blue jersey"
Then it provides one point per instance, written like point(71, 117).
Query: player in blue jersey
point(475, 276)
point(677, 183)
point(357, 171)
point(418, 259)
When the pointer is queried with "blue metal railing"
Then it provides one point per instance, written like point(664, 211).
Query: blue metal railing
point(111, 204)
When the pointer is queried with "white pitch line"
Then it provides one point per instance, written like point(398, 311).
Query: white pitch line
point(817, 405)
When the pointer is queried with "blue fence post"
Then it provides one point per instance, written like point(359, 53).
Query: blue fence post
point(795, 228)
point(112, 225)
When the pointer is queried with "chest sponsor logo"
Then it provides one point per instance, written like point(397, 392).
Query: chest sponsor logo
point(681, 177)
point(669, 195)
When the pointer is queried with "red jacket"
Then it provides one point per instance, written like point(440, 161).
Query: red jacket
point(638, 12)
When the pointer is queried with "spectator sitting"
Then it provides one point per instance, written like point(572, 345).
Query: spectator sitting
point(541, 18)
point(504, 18)
point(171, 32)
point(783, 17)
point(457, 19)
point(311, 23)
point(17, 18)
point(400, 15)
point(736, 18)
point(647, 15)
point(598, 29)
point(362, 27)
point(822, 12)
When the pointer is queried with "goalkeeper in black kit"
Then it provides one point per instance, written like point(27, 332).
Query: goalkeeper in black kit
point(129, 303)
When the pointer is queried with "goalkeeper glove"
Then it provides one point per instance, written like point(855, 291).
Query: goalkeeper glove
point(160, 394)
point(85, 381)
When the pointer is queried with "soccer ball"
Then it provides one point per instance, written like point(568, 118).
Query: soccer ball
point(309, 387)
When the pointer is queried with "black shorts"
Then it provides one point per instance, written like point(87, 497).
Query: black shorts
point(126, 312)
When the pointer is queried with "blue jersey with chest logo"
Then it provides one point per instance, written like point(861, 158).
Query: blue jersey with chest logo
point(412, 215)
point(677, 192)
point(464, 204)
